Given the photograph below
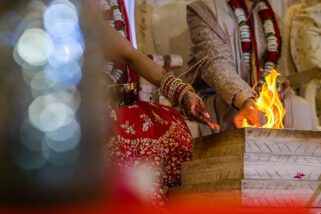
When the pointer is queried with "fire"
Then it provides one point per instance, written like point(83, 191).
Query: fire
point(269, 103)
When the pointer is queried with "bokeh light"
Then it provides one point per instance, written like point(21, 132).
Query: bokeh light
point(50, 51)
point(64, 132)
point(69, 73)
point(29, 74)
point(65, 53)
point(39, 84)
point(61, 19)
point(48, 113)
point(35, 46)
point(65, 138)
point(55, 116)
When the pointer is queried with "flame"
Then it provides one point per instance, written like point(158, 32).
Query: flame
point(269, 103)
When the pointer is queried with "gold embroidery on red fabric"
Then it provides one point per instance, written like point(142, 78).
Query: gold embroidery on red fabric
point(159, 119)
point(129, 129)
point(148, 122)
point(132, 106)
point(166, 154)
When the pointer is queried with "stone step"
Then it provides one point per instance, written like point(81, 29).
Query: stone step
point(254, 193)
point(251, 166)
point(262, 141)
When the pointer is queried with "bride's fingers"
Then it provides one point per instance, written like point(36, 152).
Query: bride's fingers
point(203, 109)
point(205, 118)
point(196, 114)
point(213, 125)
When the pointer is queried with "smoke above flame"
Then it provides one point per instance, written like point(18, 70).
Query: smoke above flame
point(270, 104)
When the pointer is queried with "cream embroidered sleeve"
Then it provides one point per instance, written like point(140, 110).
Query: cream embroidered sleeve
point(219, 71)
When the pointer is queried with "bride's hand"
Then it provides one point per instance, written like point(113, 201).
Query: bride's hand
point(195, 109)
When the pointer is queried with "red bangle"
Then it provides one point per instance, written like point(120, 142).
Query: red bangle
point(163, 82)
point(177, 92)
point(167, 86)
point(172, 89)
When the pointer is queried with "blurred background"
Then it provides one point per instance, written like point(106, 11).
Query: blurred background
point(50, 83)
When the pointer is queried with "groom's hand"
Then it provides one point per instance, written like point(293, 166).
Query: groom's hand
point(248, 112)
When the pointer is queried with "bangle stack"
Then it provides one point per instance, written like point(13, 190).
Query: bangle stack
point(174, 89)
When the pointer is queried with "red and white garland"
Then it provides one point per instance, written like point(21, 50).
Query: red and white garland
point(115, 19)
point(247, 34)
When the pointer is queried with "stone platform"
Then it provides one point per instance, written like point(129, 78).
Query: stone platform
point(261, 167)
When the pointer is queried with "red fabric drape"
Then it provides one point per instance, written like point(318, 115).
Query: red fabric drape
point(132, 76)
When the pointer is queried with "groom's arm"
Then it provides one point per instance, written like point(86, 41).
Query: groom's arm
point(219, 71)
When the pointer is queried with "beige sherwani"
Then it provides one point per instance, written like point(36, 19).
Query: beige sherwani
point(305, 35)
point(224, 80)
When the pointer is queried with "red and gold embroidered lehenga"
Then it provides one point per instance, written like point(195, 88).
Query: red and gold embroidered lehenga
point(144, 134)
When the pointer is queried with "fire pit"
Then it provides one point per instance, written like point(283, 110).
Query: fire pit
point(264, 167)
